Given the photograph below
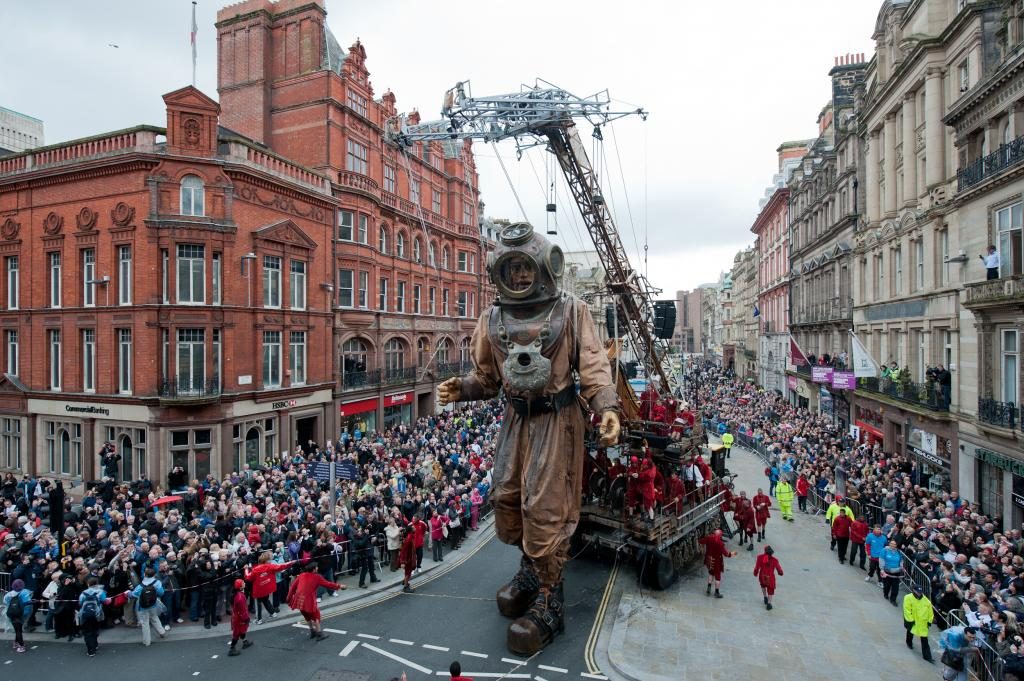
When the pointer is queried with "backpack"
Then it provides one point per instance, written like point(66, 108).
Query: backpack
point(147, 599)
point(16, 608)
point(91, 609)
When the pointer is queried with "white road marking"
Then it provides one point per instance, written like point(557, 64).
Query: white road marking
point(560, 670)
point(8, 661)
point(369, 636)
point(300, 625)
point(195, 673)
point(352, 645)
point(441, 648)
point(399, 659)
point(401, 642)
point(214, 657)
point(539, 678)
point(599, 677)
point(33, 647)
point(342, 632)
point(472, 654)
point(490, 675)
point(513, 661)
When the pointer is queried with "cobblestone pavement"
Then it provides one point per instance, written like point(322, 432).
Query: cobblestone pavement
point(827, 622)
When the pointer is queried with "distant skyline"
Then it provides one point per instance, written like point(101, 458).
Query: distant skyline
point(723, 90)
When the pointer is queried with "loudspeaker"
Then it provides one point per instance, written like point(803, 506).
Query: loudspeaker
point(664, 318)
point(609, 322)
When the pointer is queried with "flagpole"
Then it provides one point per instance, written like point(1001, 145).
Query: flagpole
point(194, 31)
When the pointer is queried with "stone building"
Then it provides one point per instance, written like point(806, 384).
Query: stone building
point(687, 337)
point(19, 132)
point(585, 278)
point(744, 323)
point(254, 275)
point(711, 322)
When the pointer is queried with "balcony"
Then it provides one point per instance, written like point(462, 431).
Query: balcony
point(449, 369)
point(995, 292)
point(357, 380)
point(400, 375)
point(1001, 414)
point(924, 395)
point(182, 390)
point(1006, 156)
point(833, 310)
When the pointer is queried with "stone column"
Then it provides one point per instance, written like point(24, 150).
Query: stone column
point(890, 164)
point(871, 178)
point(1016, 120)
point(934, 130)
point(910, 148)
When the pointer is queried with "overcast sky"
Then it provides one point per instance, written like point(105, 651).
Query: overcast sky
point(724, 83)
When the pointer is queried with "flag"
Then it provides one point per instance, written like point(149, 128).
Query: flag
point(757, 313)
point(195, 29)
point(796, 355)
point(864, 365)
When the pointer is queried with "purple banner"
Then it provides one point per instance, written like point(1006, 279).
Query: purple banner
point(791, 382)
point(821, 374)
point(844, 380)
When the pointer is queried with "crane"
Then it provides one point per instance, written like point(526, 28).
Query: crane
point(546, 115)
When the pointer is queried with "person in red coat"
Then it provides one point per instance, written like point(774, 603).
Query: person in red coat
point(239, 618)
point(648, 491)
point(743, 514)
point(264, 583)
point(715, 554)
point(419, 529)
point(762, 502)
point(858, 535)
point(765, 568)
point(802, 489)
point(841, 525)
point(632, 485)
point(407, 556)
point(302, 597)
point(675, 495)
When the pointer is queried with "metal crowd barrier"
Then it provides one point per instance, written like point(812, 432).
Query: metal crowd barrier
point(986, 665)
point(5, 582)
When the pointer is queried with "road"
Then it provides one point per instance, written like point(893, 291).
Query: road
point(450, 617)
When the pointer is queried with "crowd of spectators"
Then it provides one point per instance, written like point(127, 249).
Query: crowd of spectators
point(973, 564)
point(429, 478)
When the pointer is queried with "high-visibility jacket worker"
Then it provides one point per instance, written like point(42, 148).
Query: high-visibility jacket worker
point(727, 443)
point(784, 495)
point(917, 617)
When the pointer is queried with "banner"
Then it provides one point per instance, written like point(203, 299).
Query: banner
point(791, 382)
point(821, 374)
point(844, 380)
point(864, 365)
point(796, 355)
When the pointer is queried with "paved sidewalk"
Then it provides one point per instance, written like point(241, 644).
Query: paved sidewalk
point(827, 623)
point(389, 586)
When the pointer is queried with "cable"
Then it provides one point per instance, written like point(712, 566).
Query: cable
point(501, 162)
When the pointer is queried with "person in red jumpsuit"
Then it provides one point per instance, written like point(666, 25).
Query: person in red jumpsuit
point(765, 568)
point(858, 535)
point(762, 502)
point(841, 525)
point(803, 487)
point(648, 493)
point(743, 514)
point(239, 618)
point(675, 495)
point(715, 554)
point(632, 485)
point(264, 583)
point(407, 556)
point(302, 597)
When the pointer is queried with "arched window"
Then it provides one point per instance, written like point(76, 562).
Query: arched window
point(394, 356)
point(432, 255)
point(382, 243)
point(422, 352)
point(445, 258)
point(464, 354)
point(444, 351)
point(192, 196)
point(354, 356)
point(400, 244)
point(417, 250)
point(253, 440)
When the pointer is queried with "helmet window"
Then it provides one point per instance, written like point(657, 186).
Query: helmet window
point(517, 274)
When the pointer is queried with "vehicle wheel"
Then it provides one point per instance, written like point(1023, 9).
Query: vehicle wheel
point(657, 570)
point(597, 486)
point(617, 493)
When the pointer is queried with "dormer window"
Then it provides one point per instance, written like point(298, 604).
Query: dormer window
point(192, 196)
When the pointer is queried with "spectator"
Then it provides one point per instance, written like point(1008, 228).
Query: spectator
point(18, 607)
point(992, 263)
point(91, 615)
point(147, 605)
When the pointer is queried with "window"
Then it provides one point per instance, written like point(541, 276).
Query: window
point(382, 295)
point(88, 277)
point(389, 178)
point(964, 72)
point(364, 224)
point(55, 280)
point(124, 275)
point(345, 288)
point(191, 274)
point(164, 269)
point(191, 449)
point(947, 349)
point(445, 258)
point(357, 157)
point(460, 305)
point(417, 291)
point(216, 286)
point(444, 302)
point(444, 351)
point(394, 356)
point(382, 241)
point(124, 361)
point(297, 285)
point(422, 352)
point(435, 201)
point(1010, 366)
point(217, 368)
point(89, 360)
point(898, 270)
point(364, 285)
point(12, 352)
point(297, 356)
point(271, 281)
point(191, 361)
point(357, 103)
point(54, 338)
point(12, 282)
point(463, 262)
point(432, 300)
point(944, 245)
point(432, 255)
point(919, 263)
point(426, 152)
point(417, 250)
point(1011, 249)
point(165, 355)
point(467, 213)
point(10, 436)
point(400, 297)
point(400, 244)
point(192, 196)
point(346, 220)
point(472, 262)
point(64, 447)
point(880, 276)
point(254, 442)
point(354, 356)
point(271, 359)
point(414, 190)
point(464, 351)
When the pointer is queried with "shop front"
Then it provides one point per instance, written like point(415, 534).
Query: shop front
point(869, 424)
point(357, 418)
point(397, 409)
point(833, 387)
point(993, 477)
point(803, 393)
point(933, 456)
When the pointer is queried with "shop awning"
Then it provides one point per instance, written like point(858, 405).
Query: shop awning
point(357, 407)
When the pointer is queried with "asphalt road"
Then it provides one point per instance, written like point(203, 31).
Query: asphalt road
point(449, 617)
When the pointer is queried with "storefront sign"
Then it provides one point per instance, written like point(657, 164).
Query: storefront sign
point(400, 398)
point(999, 461)
point(283, 404)
point(821, 374)
point(1018, 491)
point(357, 407)
point(791, 382)
point(869, 416)
point(87, 409)
point(844, 380)
point(930, 458)
point(923, 440)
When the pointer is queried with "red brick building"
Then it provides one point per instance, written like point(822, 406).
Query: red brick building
point(258, 273)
